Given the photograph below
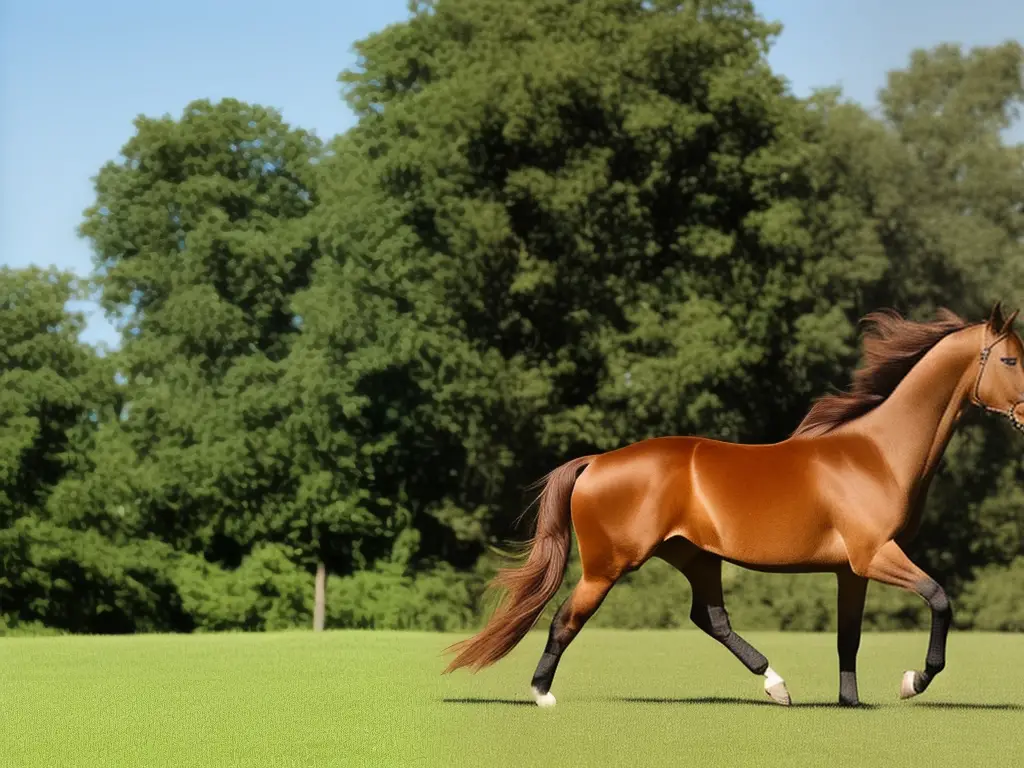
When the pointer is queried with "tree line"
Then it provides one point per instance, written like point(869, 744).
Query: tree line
point(556, 228)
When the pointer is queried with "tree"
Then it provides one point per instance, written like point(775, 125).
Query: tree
point(939, 186)
point(202, 234)
point(952, 111)
point(558, 227)
point(573, 225)
point(52, 388)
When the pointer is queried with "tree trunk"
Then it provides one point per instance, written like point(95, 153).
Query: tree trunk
point(320, 598)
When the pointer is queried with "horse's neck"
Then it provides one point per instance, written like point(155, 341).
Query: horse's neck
point(914, 424)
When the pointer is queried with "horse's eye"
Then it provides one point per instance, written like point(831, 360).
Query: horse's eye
point(1009, 360)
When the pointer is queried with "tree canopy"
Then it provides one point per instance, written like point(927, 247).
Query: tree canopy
point(556, 228)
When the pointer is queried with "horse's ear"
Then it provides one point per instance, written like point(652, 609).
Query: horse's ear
point(995, 320)
point(1009, 321)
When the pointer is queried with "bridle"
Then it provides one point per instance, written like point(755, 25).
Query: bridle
point(1011, 412)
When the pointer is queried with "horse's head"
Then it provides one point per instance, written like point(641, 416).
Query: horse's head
point(999, 386)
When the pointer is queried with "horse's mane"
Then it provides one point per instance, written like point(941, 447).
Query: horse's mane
point(892, 346)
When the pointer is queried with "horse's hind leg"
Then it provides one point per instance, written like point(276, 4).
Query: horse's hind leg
point(569, 619)
point(704, 572)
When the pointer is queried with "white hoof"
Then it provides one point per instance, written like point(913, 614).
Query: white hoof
point(775, 687)
point(543, 699)
point(907, 685)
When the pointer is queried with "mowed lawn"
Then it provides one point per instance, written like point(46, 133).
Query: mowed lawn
point(645, 698)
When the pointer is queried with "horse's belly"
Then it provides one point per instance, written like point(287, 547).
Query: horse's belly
point(825, 549)
point(775, 533)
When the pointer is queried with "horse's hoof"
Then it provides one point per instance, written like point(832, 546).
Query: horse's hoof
point(907, 689)
point(778, 693)
point(543, 699)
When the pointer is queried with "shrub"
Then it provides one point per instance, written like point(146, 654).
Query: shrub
point(387, 597)
point(994, 600)
point(81, 582)
point(78, 581)
point(266, 592)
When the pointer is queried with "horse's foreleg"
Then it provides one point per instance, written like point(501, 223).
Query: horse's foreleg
point(890, 565)
point(851, 594)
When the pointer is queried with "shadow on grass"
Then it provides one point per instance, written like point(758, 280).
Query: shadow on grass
point(948, 705)
point(505, 702)
point(744, 702)
point(698, 700)
point(968, 705)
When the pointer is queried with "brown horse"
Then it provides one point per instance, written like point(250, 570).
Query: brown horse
point(842, 494)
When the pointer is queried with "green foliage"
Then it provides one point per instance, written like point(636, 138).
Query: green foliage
point(199, 231)
point(386, 597)
point(202, 235)
point(560, 227)
point(951, 109)
point(51, 387)
point(77, 581)
point(266, 592)
point(557, 227)
point(27, 629)
point(994, 599)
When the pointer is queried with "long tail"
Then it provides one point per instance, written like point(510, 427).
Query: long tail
point(533, 584)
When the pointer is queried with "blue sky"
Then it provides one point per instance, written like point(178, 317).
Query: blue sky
point(73, 76)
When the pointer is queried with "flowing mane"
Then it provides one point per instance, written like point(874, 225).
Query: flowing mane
point(892, 346)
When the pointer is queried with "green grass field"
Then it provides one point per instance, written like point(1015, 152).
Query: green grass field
point(376, 698)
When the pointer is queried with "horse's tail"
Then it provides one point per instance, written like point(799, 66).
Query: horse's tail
point(533, 584)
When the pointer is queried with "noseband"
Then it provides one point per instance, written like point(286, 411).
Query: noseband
point(1011, 412)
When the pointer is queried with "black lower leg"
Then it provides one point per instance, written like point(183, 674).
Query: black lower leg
point(848, 646)
point(545, 673)
point(714, 620)
point(569, 619)
point(942, 619)
point(852, 592)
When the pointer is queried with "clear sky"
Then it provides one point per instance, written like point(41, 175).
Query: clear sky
point(73, 75)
